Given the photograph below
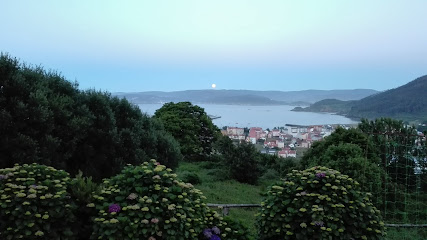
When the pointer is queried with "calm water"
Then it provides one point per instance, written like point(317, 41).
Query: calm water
point(260, 116)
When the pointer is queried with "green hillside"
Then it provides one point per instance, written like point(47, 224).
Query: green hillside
point(407, 101)
point(327, 105)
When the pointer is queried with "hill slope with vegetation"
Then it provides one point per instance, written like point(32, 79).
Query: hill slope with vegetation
point(407, 102)
point(327, 105)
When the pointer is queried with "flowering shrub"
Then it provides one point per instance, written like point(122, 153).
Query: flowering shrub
point(318, 203)
point(148, 202)
point(34, 203)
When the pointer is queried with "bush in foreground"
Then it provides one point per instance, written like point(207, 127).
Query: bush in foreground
point(318, 203)
point(148, 202)
point(35, 203)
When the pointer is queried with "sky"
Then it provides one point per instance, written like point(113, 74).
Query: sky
point(172, 45)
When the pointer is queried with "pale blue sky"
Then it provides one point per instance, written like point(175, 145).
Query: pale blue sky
point(145, 45)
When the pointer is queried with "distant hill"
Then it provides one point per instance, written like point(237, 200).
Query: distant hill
point(327, 105)
point(246, 97)
point(407, 102)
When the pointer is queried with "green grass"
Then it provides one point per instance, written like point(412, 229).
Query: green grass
point(226, 191)
point(406, 234)
point(230, 192)
point(234, 192)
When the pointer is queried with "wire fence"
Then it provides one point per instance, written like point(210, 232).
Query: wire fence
point(403, 189)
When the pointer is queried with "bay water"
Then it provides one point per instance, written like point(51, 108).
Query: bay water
point(260, 116)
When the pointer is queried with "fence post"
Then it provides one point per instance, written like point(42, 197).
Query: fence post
point(225, 211)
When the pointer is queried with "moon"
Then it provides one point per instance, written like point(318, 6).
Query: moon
point(213, 85)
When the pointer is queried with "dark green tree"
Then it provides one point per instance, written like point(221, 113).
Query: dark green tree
point(341, 135)
point(351, 152)
point(224, 146)
point(46, 119)
point(282, 165)
point(242, 163)
point(421, 167)
point(397, 150)
point(190, 126)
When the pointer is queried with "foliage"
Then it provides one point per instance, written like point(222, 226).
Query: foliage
point(242, 163)
point(318, 203)
point(148, 202)
point(351, 152)
point(224, 146)
point(402, 153)
point(190, 177)
point(245, 164)
point(395, 141)
point(273, 167)
point(281, 166)
point(190, 126)
point(229, 191)
point(405, 102)
point(35, 203)
point(327, 105)
point(82, 190)
point(341, 135)
point(48, 120)
point(422, 127)
point(239, 230)
point(407, 233)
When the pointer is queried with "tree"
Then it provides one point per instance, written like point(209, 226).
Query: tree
point(240, 161)
point(46, 119)
point(190, 126)
point(224, 146)
point(273, 167)
point(397, 149)
point(421, 153)
point(341, 135)
point(352, 153)
point(243, 162)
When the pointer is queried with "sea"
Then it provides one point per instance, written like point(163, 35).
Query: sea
point(260, 116)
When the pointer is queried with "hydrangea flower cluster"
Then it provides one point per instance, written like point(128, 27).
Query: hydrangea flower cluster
point(35, 203)
point(212, 233)
point(320, 175)
point(114, 208)
point(149, 202)
point(318, 203)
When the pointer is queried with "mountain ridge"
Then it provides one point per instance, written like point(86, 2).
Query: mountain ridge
point(245, 97)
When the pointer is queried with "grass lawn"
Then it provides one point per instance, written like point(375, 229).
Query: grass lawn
point(406, 234)
point(228, 191)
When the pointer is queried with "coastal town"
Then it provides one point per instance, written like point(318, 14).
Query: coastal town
point(286, 141)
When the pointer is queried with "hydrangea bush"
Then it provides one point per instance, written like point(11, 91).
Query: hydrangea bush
point(34, 203)
point(318, 203)
point(149, 202)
